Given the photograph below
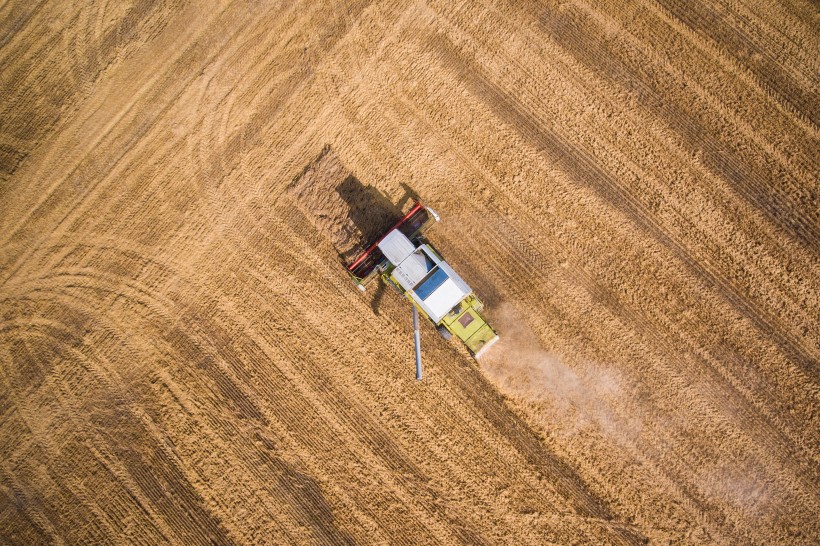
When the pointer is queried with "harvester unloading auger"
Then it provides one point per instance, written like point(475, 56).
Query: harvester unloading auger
point(405, 260)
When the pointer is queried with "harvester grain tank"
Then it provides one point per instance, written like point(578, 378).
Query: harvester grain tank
point(405, 260)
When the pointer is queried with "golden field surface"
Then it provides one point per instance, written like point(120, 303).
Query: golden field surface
point(630, 186)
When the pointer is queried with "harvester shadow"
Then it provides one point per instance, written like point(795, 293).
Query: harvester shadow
point(372, 214)
point(369, 210)
point(377, 298)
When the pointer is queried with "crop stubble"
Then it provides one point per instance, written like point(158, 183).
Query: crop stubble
point(632, 186)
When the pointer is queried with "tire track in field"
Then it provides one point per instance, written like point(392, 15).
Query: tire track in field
point(798, 219)
point(66, 506)
point(108, 495)
point(96, 48)
point(313, 507)
point(39, 95)
point(288, 408)
point(239, 71)
point(120, 427)
point(16, 525)
point(17, 22)
point(90, 280)
point(277, 96)
point(118, 288)
point(294, 484)
point(109, 499)
point(212, 357)
point(583, 39)
point(526, 256)
point(61, 195)
point(243, 137)
point(158, 478)
point(287, 412)
point(561, 474)
point(504, 242)
point(722, 387)
point(533, 268)
point(65, 342)
point(23, 116)
point(727, 397)
point(347, 413)
point(736, 359)
point(350, 418)
point(713, 25)
point(660, 42)
point(785, 37)
point(793, 136)
point(531, 102)
point(583, 168)
point(34, 512)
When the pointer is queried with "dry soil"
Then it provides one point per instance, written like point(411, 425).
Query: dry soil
point(631, 186)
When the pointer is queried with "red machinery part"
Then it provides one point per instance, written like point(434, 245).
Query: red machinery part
point(372, 247)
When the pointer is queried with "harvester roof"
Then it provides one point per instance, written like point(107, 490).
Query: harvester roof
point(395, 246)
point(429, 280)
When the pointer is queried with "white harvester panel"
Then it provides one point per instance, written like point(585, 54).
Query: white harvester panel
point(442, 290)
point(444, 298)
point(396, 247)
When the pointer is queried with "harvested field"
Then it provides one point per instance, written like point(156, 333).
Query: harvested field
point(632, 187)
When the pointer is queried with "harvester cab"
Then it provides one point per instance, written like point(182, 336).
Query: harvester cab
point(404, 259)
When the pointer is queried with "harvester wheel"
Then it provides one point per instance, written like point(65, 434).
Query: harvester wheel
point(444, 332)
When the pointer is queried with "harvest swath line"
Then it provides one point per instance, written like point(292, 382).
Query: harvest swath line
point(521, 437)
point(711, 28)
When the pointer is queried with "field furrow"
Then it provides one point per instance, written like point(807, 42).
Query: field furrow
point(630, 187)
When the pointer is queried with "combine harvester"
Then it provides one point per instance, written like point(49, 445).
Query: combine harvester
point(404, 259)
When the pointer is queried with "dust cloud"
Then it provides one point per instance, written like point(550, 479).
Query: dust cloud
point(521, 368)
point(567, 400)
